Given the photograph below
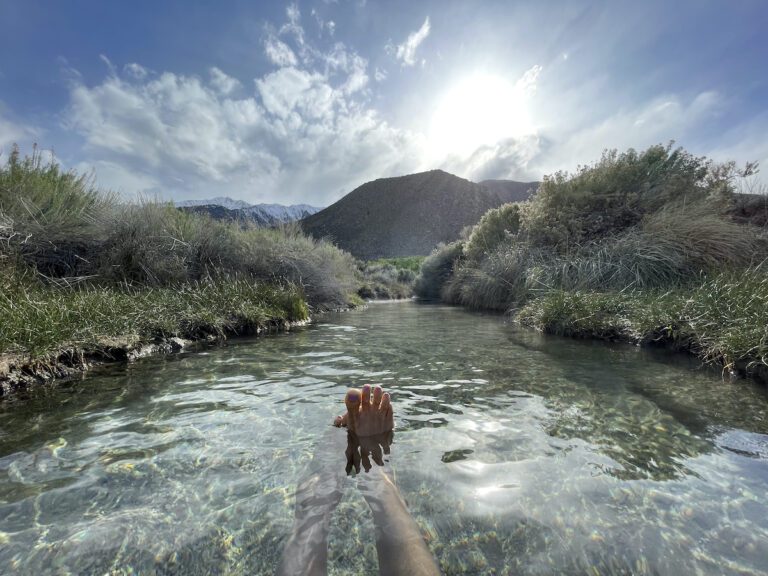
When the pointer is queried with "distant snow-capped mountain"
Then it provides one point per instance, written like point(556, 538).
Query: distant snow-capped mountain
point(261, 214)
point(225, 201)
point(282, 213)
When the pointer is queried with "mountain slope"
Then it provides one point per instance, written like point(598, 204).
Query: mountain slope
point(406, 215)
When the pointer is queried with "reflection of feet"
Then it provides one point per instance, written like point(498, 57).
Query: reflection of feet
point(361, 450)
point(369, 411)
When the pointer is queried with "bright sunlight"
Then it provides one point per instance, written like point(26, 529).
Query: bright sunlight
point(480, 109)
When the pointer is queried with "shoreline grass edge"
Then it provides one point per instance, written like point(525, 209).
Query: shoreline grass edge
point(55, 334)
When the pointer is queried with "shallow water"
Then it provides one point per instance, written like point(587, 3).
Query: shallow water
point(517, 454)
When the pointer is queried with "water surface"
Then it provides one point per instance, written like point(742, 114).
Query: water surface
point(517, 454)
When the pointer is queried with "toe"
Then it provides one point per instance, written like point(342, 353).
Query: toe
point(352, 401)
point(377, 394)
point(366, 397)
point(386, 411)
point(386, 403)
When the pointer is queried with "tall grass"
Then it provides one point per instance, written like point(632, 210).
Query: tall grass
point(54, 218)
point(723, 319)
point(672, 247)
point(437, 269)
point(632, 220)
point(40, 320)
point(62, 226)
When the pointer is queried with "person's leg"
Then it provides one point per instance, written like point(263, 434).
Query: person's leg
point(306, 551)
point(399, 543)
point(400, 546)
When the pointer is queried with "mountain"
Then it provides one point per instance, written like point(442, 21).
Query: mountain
point(224, 201)
point(237, 210)
point(280, 213)
point(409, 215)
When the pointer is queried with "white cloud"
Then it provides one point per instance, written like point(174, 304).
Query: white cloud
point(528, 158)
point(305, 133)
point(406, 52)
point(293, 26)
point(136, 70)
point(279, 52)
point(223, 83)
point(511, 158)
point(324, 25)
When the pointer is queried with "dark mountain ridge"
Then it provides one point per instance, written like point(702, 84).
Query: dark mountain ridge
point(409, 215)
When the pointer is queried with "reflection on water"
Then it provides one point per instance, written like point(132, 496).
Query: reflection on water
point(516, 453)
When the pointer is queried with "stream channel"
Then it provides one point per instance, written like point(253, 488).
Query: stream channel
point(516, 453)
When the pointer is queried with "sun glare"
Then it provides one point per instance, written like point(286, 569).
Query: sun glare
point(479, 110)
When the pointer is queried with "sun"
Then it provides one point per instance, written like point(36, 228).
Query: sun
point(479, 110)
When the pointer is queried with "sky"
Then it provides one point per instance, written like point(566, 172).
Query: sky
point(301, 102)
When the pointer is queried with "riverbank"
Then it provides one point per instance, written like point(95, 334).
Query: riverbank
point(723, 321)
point(653, 247)
point(87, 279)
point(54, 332)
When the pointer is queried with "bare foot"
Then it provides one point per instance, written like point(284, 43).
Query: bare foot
point(368, 412)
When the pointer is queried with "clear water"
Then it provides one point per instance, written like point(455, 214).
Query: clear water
point(516, 453)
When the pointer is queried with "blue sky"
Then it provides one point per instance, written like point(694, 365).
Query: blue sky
point(303, 101)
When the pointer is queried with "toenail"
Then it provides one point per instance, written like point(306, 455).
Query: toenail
point(353, 397)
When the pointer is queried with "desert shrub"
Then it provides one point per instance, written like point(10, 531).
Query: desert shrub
point(325, 273)
point(62, 225)
point(670, 248)
point(437, 269)
point(58, 217)
point(154, 244)
point(502, 280)
point(496, 226)
point(388, 278)
point(633, 220)
point(615, 193)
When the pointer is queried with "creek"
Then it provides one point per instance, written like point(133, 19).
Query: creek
point(516, 453)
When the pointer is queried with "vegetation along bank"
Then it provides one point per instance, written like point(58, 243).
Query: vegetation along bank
point(658, 247)
point(86, 278)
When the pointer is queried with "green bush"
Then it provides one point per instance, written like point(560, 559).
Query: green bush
point(388, 278)
point(617, 192)
point(55, 219)
point(437, 269)
point(671, 247)
point(644, 220)
point(495, 227)
point(59, 224)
